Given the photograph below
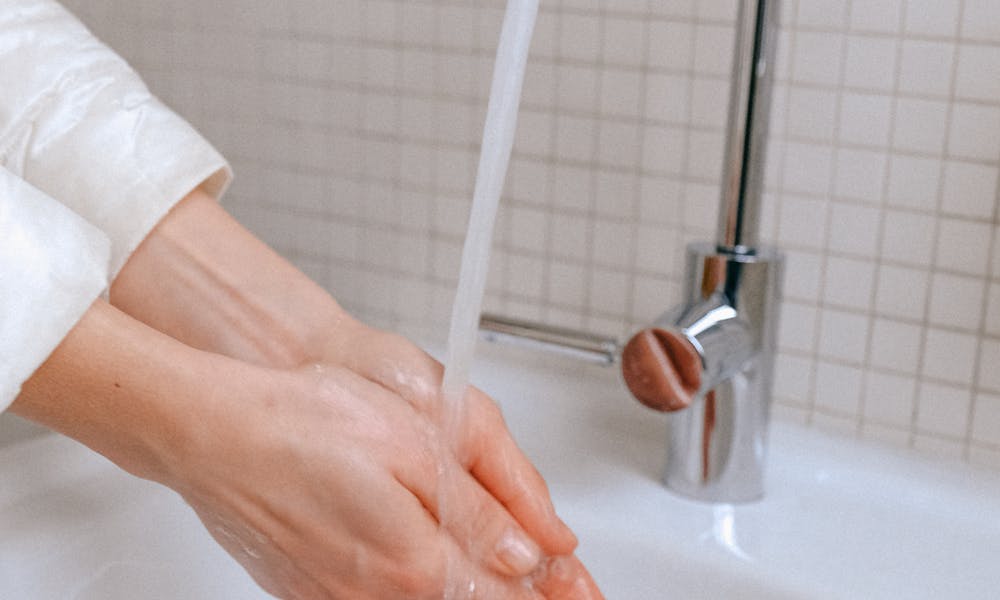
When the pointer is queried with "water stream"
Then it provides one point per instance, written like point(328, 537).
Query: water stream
point(498, 140)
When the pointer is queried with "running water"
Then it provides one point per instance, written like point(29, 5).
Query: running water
point(498, 139)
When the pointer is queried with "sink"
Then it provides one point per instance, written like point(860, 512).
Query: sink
point(840, 520)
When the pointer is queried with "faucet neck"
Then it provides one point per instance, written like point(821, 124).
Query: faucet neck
point(747, 127)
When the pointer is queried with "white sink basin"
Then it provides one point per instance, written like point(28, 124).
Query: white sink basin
point(841, 520)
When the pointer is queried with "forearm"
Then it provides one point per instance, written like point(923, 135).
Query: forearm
point(118, 387)
point(203, 279)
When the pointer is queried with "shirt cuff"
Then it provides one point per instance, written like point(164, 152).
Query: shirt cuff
point(90, 133)
point(53, 265)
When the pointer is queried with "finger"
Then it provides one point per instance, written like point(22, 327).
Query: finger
point(467, 580)
point(485, 446)
point(565, 578)
point(482, 526)
point(493, 458)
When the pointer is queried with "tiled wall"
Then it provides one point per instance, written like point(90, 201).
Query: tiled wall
point(354, 128)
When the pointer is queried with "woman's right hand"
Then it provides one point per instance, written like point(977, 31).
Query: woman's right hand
point(324, 485)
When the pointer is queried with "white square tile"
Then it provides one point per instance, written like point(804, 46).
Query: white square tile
point(667, 98)
point(525, 276)
point(822, 13)
point(889, 399)
point(534, 132)
point(607, 290)
point(808, 168)
point(797, 326)
point(848, 282)
point(838, 388)
point(993, 309)
point(989, 364)
point(566, 284)
point(720, 10)
point(656, 250)
point(936, 446)
point(802, 222)
point(956, 301)
point(569, 236)
point(887, 435)
point(816, 58)
point(713, 50)
point(528, 229)
point(854, 229)
point(841, 425)
point(864, 119)
point(913, 181)
point(623, 41)
point(709, 102)
point(895, 345)
point(986, 424)
point(984, 456)
point(811, 113)
point(943, 409)
point(860, 174)
point(572, 188)
point(575, 137)
point(920, 125)
point(870, 62)
point(970, 190)
point(792, 377)
point(932, 17)
point(700, 207)
point(978, 75)
point(613, 243)
point(963, 246)
point(705, 152)
point(577, 88)
point(529, 181)
point(652, 294)
point(580, 37)
point(949, 356)
point(926, 67)
point(981, 20)
point(902, 292)
point(618, 144)
point(975, 131)
point(458, 25)
point(659, 200)
point(616, 195)
point(662, 149)
point(620, 93)
point(843, 335)
point(802, 274)
point(671, 45)
point(908, 237)
point(883, 17)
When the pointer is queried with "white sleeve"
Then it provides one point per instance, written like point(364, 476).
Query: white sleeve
point(79, 124)
point(53, 265)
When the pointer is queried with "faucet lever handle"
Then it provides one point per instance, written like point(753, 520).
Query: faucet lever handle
point(662, 369)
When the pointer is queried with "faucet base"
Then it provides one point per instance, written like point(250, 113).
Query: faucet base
point(717, 446)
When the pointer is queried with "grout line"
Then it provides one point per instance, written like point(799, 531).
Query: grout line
point(880, 236)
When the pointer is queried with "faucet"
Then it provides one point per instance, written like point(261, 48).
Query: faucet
point(710, 361)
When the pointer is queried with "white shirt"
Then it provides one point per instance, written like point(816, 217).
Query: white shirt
point(90, 161)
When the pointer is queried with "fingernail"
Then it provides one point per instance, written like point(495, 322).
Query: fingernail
point(519, 553)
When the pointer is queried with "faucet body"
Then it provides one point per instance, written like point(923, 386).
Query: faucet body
point(717, 445)
point(711, 359)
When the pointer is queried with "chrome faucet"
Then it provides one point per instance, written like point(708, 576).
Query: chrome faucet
point(711, 360)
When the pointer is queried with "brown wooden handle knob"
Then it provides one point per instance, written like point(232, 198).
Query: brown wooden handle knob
point(661, 369)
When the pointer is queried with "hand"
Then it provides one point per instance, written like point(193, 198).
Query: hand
point(203, 279)
point(324, 485)
point(321, 483)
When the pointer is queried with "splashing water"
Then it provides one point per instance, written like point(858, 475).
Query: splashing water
point(498, 140)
